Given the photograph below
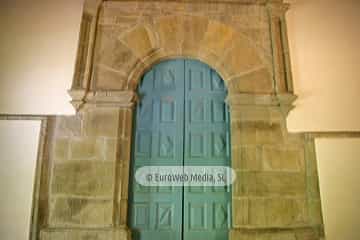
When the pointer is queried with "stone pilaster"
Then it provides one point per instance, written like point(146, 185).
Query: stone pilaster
point(280, 49)
point(89, 160)
point(271, 197)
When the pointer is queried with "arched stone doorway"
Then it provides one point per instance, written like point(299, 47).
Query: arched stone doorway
point(275, 194)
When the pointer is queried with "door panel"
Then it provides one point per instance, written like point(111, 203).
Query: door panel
point(156, 212)
point(207, 140)
point(182, 119)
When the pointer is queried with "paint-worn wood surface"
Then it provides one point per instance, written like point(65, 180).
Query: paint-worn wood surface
point(182, 119)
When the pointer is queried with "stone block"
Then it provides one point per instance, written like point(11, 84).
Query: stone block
point(80, 212)
point(85, 234)
point(247, 158)
point(241, 57)
point(257, 212)
point(87, 149)
point(61, 149)
point(68, 126)
point(217, 38)
point(279, 183)
point(114, 54)
point(268, 133)
point(140, 40)
point(111, 149)
point(171, 33)
point(315, 212)
point(251, 113)
point(195, 28)
point(108, 78)
point(307, 234)
point(283, 159)
point(313, 187)
point(240, 211)
point(257, 81)
point(83, 178)
point(285, 212)
point(245, 184)
point(242, 133)
point(101, 123)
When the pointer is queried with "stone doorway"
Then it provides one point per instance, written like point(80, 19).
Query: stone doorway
point(83, 181)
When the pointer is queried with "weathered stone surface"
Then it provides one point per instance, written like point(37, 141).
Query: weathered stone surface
point(313, 186)
point(246, 158)
point(285, 211)
point(283, 159)
point(195, 28)
point(269, 184)
point(68, 126)
point(114, 57)
point(257, 211)
point(315, 212)
point(171, 33)
point(240, 56)
point(109, 78)
point(256, 133)
point(101, 123)
point(274, 191)
point(84, 212)
point(249, 113)
point(61, 149)
point(263, 234)
point(217, 38)
point(140, 40)
point(85, 234)
point(258, 81)
point(84, 178)
point(277, 183)
point(86, 148)
point(240, 211)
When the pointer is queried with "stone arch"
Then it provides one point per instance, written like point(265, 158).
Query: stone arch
point(127, 56)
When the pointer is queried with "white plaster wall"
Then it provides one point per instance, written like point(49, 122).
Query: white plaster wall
point(339, 168)
point(37, 56)
point(325, 52)
point(18, 147)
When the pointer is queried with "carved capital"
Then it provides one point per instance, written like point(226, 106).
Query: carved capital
point(286, 102)
point(277, 10)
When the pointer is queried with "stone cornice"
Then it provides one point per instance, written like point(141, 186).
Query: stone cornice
point(82, 99)
point(91, 6)
point(205, 1)
point(334, 134)
point(283, 101)
point(277, 9)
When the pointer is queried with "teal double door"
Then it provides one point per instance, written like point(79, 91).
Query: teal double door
point(181, 120)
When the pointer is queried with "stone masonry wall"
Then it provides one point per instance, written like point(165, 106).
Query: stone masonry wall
point(276, 194)
point(234, 39)
point(88, 174)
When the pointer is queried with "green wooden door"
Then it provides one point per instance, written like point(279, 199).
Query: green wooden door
point(182, 119)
